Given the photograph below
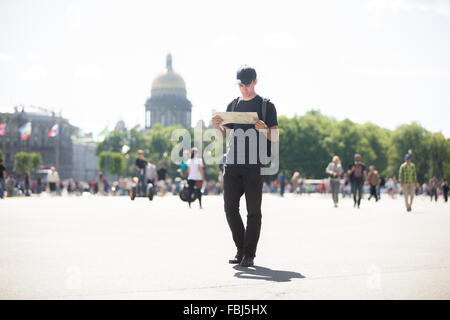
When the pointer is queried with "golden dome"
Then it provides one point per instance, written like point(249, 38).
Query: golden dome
point(168, 79)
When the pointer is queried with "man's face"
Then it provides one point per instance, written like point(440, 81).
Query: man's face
point(248, 91)
point(408, 161)
point(357, 158)
point(141, 156)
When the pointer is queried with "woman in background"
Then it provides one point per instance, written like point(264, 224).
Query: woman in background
point(335, 171)
point(196, 176)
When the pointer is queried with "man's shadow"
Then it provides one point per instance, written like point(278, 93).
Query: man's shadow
point(262, 273)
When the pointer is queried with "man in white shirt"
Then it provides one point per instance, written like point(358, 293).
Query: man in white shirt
point(53, 180)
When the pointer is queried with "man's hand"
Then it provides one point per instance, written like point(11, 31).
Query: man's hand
point(217, 121)
point(260, 125)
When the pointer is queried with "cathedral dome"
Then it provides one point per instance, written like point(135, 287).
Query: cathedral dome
point(168, 82)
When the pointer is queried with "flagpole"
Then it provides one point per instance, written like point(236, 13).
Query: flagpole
point(57, 149)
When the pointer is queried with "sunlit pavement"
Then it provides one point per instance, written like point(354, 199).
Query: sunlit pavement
point(112, 248)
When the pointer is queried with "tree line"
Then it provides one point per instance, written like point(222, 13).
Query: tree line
point(307, 144)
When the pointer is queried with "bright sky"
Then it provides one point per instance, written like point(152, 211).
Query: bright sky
point(387, 62)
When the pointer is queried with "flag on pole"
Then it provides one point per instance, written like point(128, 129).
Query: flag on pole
point(104, 134)
point(54, 131)
point(2, 129)
point(25, 131)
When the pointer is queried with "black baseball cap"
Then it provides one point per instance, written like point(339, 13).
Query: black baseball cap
point(245, 75)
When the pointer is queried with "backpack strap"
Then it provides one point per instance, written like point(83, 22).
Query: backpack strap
point(264, 109)
point(235, 103)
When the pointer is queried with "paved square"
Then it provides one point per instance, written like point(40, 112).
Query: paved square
point(110, 247)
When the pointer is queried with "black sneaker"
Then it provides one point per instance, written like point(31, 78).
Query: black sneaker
point(246, 262)
point(237, 259)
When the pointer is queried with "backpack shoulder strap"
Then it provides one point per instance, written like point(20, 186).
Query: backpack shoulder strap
point(235, 103)
point(264, 109)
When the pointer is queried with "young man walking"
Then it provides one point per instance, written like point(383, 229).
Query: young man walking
point(408, 179)
point(357, 173)
point(242, 167)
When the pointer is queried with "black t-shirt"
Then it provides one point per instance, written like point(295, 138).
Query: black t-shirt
point(358, 173)
point(2, 169)
point(248, 160)
point(161, 172)
point(141, 163)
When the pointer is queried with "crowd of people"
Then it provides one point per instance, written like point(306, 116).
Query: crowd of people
point(355, 181)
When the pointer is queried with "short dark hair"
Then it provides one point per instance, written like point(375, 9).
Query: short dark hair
point(246, 74)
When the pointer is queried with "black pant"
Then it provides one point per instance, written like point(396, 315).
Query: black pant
point(357, 188)
point(198, 192)
point(282, 186)
point(373, 192)
point(434, 193)
point(236, 182)
point(445, 191)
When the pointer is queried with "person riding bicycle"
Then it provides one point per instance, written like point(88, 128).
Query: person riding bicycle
point(141, 166)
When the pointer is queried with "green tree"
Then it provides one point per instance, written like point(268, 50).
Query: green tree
point(118, 163)
point(307, 144)
point(111, 162)
point(439, 155)
point(22, 162)
point(114, 142)
point(35, 160)
point(410, 137)
point(105, 161)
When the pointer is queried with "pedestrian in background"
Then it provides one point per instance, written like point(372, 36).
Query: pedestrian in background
point(10, 185)
point(445, 189)
point(196, 176)
point(2, 179)
point(408, 179)
point(357, 173)
point(101, 184)
point(39, 184)
point(162, 178)
point(27, 184)
point(434, 189)
point(152, 176)
point(295, 182)
point(282, 180)
point(53, 180)
point(380, 185)
point(334, 170)
point(374, 181)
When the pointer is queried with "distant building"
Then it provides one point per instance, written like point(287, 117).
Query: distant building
point(168, 104)
point(120, 126)
point(84, 160)
point(63, 152)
